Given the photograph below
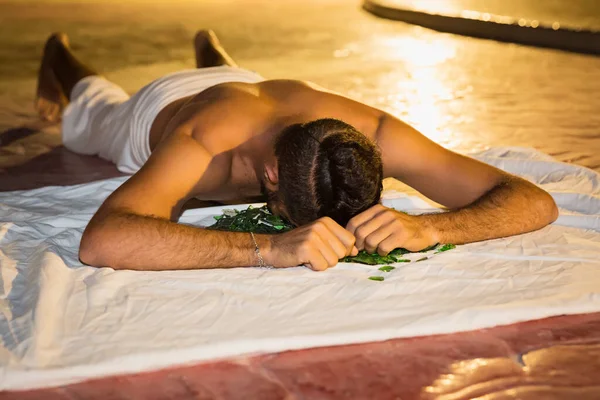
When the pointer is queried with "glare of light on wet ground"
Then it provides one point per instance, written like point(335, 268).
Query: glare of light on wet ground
point(464, 93)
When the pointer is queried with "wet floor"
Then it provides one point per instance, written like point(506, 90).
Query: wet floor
point(583, 14)
point(465, 93)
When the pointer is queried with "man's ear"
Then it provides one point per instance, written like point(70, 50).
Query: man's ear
point(271, 172)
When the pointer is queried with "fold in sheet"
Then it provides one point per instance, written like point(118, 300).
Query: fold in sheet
point(63, 322)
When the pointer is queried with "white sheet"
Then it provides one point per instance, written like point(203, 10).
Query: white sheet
point(62, 322)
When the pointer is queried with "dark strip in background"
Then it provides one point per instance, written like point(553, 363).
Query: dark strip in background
point(530, 33)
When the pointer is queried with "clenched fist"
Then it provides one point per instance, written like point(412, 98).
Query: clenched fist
point(318, 245)
point(381, 229)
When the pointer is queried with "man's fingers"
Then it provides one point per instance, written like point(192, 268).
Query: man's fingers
point(330, 256)
point(363, 217)
point(320, 246)
point(331, 241)
point(390, 243)
point(316, 261)
point(371, 226)
point(373, 241)
point(341, 236)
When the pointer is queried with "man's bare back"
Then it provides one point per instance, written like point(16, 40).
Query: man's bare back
point(228, 117)
point(235, 141)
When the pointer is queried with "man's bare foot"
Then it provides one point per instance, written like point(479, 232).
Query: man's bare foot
point(50, 98)
point(209, 52)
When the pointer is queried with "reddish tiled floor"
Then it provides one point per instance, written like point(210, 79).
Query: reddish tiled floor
point(553, 358)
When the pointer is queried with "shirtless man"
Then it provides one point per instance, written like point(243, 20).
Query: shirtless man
point(225, 134)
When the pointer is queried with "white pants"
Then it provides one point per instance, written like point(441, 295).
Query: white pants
point(103, 120)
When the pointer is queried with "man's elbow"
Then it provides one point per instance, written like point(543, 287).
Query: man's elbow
point(547, 208)
point(537, 203)
point(91, 250)
point(553, 212)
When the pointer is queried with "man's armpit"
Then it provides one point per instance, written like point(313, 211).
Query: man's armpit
point(167, 179)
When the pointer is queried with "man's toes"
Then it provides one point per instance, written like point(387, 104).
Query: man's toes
point(205, 37)
point(211, 35)
point(42, 106)
point(48, 110)
point(41, 109)
point(59, 38)
point(54, 113)
point(204, 33)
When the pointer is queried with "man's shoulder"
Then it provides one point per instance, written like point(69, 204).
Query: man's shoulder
point(228, 121)
point(278, 88)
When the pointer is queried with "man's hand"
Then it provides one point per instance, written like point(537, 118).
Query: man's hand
point(318, 245)
point(382, 229)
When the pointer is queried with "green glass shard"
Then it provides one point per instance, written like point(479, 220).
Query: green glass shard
point(260, 220)
point(377, 278)
point(426, 249)
point(370, 259)
point(257, 220)
point(387, 268)
point(446, 247)
point(397, 253)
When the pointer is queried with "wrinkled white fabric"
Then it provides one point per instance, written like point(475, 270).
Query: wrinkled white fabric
point(103, 120)
point(62, 322)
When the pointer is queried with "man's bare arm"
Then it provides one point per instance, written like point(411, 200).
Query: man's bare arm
point(124, 240)
point(511, 207)
point(134, 228)
point(484, 201)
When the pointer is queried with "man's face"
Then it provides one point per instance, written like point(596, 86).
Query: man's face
point(274, 202)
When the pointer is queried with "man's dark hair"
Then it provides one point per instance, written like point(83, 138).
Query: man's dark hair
point(327, 168)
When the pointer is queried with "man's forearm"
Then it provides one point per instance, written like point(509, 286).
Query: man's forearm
point(512, 207)
point(123, 240)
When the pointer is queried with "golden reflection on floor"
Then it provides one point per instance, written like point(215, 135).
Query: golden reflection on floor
point(434, 6)
point(419, 99)
point(557, 372)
